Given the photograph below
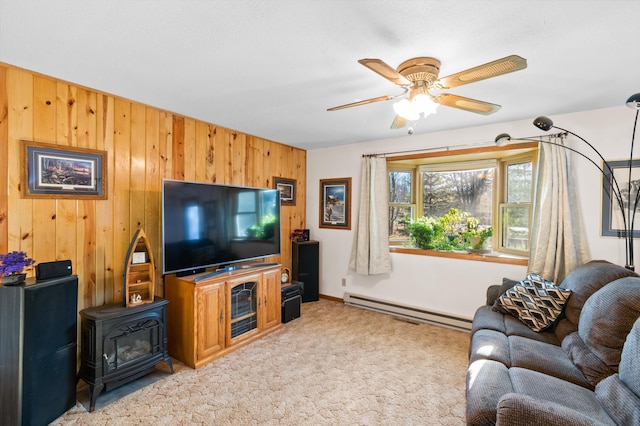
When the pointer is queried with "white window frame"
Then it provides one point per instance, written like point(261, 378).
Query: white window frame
point(498, 157)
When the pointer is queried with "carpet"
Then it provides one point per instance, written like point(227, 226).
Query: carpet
point(335, 365)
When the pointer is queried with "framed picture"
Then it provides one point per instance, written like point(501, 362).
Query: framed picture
point(335, 203)
point(612, 223)
point(55, 171)
point(287, 189)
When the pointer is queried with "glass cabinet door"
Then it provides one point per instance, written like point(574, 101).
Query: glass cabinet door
point(243, 309)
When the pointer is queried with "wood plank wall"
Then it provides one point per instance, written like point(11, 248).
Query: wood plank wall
point(144, 145)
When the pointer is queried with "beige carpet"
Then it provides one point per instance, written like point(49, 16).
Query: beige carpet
point(335, 365)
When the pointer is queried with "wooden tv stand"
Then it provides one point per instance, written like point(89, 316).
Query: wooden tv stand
point(211, 317)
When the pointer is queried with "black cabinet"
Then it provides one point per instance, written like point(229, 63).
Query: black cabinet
point(306, 267)
point(38, 350)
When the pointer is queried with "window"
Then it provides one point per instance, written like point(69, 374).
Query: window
point(515, 209)
point(466, 186)
point(401, 203)
point(494, 185)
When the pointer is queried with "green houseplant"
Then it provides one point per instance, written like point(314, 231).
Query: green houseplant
point(452, 221)
point(424, 232)
point(475, 234)
point(11, 266)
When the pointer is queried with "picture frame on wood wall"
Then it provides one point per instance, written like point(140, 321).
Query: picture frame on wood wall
point(55, 171)
point(612, 225)
point(335, 203)
point(287, 189)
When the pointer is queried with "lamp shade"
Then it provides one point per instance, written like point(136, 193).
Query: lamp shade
point(543, 123)
point(405, 110)
point(634, 101)
point(502, 139)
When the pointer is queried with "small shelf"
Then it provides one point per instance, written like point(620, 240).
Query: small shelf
point(139, 276)
point(243, 317)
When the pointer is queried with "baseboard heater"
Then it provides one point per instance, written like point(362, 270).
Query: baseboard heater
point(408, 312)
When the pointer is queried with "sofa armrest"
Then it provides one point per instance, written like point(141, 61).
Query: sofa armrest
point(514, 408)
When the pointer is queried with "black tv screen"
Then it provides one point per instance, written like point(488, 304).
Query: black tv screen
point(206, 225)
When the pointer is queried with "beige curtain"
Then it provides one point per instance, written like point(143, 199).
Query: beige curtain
point(558, 244)
point(370, 250)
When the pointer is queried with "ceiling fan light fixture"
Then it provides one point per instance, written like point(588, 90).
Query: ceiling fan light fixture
point(419, 104)
point(405, 109)
point(423, 103)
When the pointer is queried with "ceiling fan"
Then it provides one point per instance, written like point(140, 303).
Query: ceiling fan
point(418, 76)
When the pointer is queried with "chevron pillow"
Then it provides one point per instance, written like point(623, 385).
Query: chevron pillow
point(534, 301)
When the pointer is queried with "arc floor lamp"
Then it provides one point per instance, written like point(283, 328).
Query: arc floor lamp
point(625, 199)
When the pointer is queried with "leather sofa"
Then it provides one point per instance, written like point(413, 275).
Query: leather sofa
point(578, 371)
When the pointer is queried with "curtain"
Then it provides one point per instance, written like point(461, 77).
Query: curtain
point(370, 249)
point(558, 244)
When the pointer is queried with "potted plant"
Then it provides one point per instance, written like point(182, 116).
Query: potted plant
point(476, 235)
point(424, 231)
point(452, 222)
point(11, 266)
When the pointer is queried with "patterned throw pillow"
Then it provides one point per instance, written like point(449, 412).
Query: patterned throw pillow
point(534, 301)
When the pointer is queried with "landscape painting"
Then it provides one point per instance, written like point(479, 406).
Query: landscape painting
point(335, 203)
point(55, 172)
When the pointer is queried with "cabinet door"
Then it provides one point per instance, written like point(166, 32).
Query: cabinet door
point(210, 320)
point(243, 299)
point(270, 306)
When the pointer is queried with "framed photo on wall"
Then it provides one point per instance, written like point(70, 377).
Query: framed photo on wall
point(335, 203)
point(612, 224)
point(287, 189)
point(56, 171)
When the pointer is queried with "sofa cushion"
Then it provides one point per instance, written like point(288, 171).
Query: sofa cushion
point(588, 363)
point(558, 391)
point(605, 322)
point(619, 401)
point(619, 394)
point(516, 409)
point(486, 318)
point(489, 381)
point(583, 282)
point(517, 351)
point(535, 301)
point(630, 360)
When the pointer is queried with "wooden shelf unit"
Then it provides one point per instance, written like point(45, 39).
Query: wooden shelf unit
point(200, 317)
point(139, 271)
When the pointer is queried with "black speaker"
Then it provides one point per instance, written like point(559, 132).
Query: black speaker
point(38, 350)
point(291, 308)
point(306, 268)
point(48, 270)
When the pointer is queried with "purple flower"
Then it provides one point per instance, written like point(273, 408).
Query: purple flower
point(14, 262)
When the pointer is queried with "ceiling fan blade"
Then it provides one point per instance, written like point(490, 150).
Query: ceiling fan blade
point(467, 104)
point(363, 102)
point(386, 71)
point(492, 69)
point(368, 101)
point(398, 122)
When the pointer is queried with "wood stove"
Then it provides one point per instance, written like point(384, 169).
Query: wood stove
point(120, 344)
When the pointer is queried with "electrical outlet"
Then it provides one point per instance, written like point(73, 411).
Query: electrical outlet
point(344, 282)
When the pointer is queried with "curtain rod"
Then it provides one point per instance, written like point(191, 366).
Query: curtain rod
point(450, 147)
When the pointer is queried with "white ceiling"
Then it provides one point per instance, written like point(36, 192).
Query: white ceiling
point(271, 68)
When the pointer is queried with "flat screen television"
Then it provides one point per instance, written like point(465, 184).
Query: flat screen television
point(208, 225)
